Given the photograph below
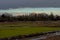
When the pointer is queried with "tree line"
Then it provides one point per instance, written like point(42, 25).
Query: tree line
point(6, 17)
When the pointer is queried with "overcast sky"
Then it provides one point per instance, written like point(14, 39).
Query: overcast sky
point(5, 4)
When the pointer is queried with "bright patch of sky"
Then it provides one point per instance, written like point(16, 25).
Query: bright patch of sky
point(30, 10)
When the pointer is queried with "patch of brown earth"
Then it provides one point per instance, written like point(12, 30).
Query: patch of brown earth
point(53, 38)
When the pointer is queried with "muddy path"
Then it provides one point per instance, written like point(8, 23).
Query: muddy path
point(46, 36)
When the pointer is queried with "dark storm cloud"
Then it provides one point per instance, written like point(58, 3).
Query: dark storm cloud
point(4, 4)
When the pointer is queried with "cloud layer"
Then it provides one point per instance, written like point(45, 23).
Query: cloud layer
point(5, 4)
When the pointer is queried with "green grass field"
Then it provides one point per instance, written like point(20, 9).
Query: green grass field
point(14, 29)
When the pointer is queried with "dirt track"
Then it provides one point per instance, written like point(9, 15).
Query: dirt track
point(53, 38)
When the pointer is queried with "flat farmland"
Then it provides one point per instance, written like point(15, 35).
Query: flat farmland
point(9, 29)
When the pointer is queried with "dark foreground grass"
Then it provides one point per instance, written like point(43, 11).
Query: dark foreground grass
point(14, 31)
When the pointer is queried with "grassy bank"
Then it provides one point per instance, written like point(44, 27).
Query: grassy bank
point(14, 31)
point(22, 28)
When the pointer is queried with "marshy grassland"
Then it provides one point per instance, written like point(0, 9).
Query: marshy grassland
point(9, 29)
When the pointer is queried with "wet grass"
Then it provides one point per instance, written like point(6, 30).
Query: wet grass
point(22, 28)
point(14, 31)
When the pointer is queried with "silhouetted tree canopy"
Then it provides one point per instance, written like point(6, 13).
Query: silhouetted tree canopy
point(6, 17)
